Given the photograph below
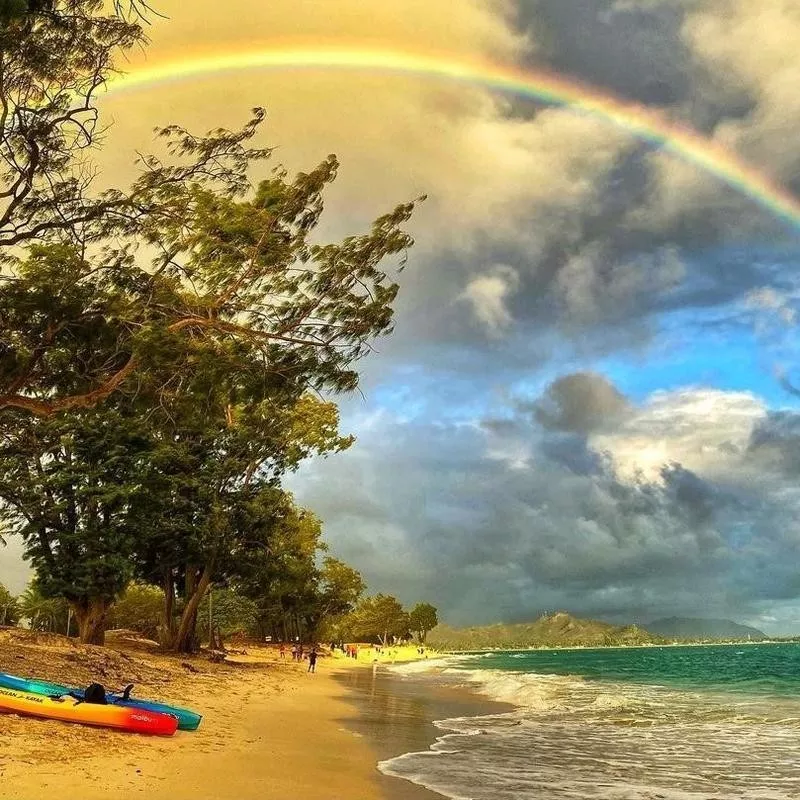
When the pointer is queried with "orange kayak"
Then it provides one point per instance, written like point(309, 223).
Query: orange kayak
point(68, 709)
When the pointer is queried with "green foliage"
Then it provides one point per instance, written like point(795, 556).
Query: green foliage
point(236, 281)
point(9, 607)
point(232, 614)
point(43, 613)
point(422, 619)
point(380, 617)
point(66, 484)
point(281, 577)
point(12, 9)
point(149, 411)
point(140, 609)
point(340, 587)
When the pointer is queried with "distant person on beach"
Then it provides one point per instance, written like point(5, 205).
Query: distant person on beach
point(294, 652)
point(283, 651)
point(312, 660)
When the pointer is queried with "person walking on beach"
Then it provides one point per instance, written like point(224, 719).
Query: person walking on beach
point(283, 651)
point(312, 660)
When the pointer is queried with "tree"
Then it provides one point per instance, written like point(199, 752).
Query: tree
point(234, 264)
point(338, 589)
point(216, 344)
point(422, 619)
point(212, 499)
point(66, 485)
point(11, 10)
point(9, 607)
point(380, 617)
point(281, 575)
point(44, 613)
point(140, 609)
point(231, 613)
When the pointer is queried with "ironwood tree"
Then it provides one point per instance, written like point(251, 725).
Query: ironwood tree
point(196, 311)
point(422, 619)
point(191, 254)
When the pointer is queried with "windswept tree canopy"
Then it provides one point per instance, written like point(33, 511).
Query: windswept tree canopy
point(193, 262)
point(163, 347)
point(380, 617)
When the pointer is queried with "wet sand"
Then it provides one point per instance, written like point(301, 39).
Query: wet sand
point(395, 715)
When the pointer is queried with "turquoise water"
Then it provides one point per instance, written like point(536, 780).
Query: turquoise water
point(655, 723)
point(746, 668)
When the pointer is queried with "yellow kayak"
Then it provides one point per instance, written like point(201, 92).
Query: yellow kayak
point(69, 709)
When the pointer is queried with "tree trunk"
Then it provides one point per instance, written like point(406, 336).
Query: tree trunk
point(167, 632)
point(90, 614)
point(185, 640)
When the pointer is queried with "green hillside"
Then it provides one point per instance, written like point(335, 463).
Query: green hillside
point(552, 630)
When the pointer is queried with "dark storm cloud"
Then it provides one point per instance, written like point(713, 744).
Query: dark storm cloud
point(581, 403)
point(571, 452)
point(637, 52)
point(508, 518)
point(609, 262)
point(484, 539)
point(776, 442)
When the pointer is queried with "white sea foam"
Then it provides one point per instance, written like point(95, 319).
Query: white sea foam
point(423, 666)
point(576, 739)
point(524, 689)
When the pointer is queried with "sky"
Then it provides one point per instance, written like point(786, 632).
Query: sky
point(591, 400)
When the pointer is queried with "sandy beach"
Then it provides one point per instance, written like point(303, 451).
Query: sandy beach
point(270, 729)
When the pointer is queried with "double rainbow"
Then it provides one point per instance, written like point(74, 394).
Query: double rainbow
point(645, 125)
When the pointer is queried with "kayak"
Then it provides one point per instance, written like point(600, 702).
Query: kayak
point(68, 709)
point(187, 720)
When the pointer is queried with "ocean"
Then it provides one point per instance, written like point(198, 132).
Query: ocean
point(650, 723)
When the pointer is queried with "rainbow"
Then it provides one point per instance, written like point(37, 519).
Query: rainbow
point(645, 125)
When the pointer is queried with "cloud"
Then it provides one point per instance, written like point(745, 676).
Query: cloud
point(701, 429)
point(672, 511)
point(743, 71)
point(597, 286)
point(754, 45)
point(771, 300)
point(580, 403)
point(487, 295)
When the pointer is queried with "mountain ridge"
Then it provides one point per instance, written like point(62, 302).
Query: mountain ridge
point(550, 630)
point(561, 629)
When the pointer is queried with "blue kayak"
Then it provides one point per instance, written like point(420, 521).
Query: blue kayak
point(187, 720)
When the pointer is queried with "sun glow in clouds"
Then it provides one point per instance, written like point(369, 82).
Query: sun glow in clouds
point(683, 142)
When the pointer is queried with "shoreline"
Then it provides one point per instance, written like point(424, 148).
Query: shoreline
point(395, 714)
point(270, 730)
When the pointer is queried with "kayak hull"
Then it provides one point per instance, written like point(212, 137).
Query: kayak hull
point(68, 709)
point(187, 720)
